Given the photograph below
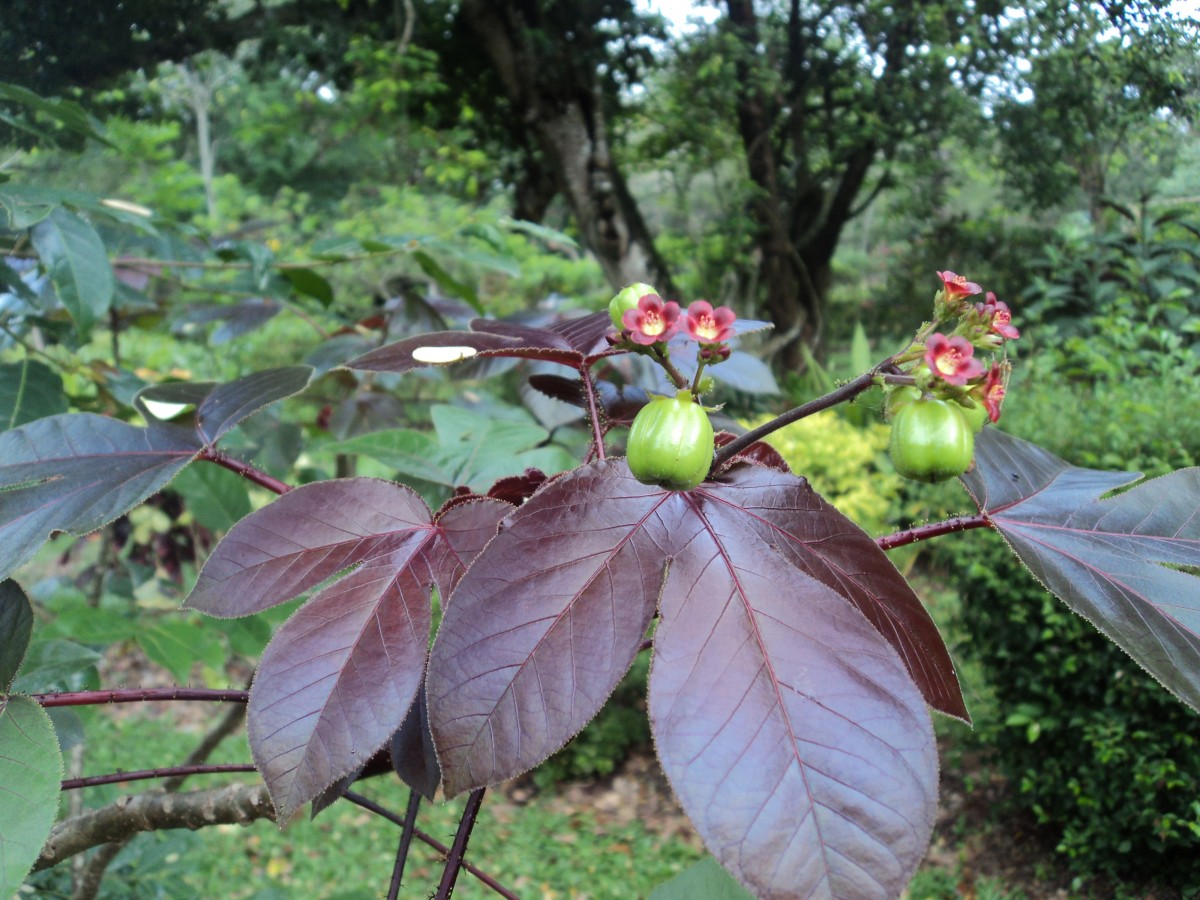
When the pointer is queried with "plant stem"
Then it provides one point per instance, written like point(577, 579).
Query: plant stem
point(406, 836)
point(71, 784)
point(847, 391)
point(140, 695)
point(454, 860)
point(664, 360)
point(593, 408)
point(372, 806)
point(932, 530)
point(247, 471)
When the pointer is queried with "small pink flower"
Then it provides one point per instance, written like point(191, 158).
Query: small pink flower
point(994, 390)
point(952, 359)
point(957, 285)
point(708, 325)
point(652, 321)
point(998, 317)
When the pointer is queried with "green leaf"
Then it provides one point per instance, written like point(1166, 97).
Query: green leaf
point(310, 284)
point(176, 645)
point(56, 666)
point(489, 234)
point(77, 262)
point(541, 232)
point(216, 496)
point(413, 454)
point(23, 206)
point(71, 116)
point(29, 390)
point(31, 772)
point(705, 880)
point(16, 627)
point(12, 282)
point(476, 449)
point(446, 281)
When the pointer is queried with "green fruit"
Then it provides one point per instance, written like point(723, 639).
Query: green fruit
point(931, 441)
point(975, 416)
point(671, 443)
point(898, 398)
point(627, 299)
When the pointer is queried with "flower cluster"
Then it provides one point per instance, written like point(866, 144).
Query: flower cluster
point(943, 361)
point(646, 324)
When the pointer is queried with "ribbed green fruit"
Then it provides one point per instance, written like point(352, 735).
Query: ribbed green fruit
point(671, 443)
point(931, 441)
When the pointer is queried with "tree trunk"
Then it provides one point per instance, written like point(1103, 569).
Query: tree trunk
point(800, 222)
point(561, 107)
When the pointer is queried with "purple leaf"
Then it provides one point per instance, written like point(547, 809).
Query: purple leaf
point(784, 512)
point(413, 755)
point(76, 472)
point(787, 727)
point(788, 724)
point(340, 675)
point(545, 623)
point(16, 628)
point(1114, 561)
point(305, 537)
point(219, 407)
point(573, 342)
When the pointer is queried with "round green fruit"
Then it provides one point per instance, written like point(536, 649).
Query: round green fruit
point(975, 416)
point(627, 299)
point(931, 441)
point(899, 397)
point(671, 443)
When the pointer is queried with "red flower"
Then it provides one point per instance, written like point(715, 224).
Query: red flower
point(952, 359)
point(652, 320)
point(998, 317)
point(708, 325)
point(957, 285)
point(993, 392)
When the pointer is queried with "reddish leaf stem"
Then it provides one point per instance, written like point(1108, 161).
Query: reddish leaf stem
point(454, 859)
point(932, 530)
point(406, 836)
point(371, 806)
point(140, 695)
point(247, 471)
point(589, 391)
point(70, 784)
point(847, 391)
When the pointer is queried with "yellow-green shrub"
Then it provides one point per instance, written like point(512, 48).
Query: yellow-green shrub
point(846, 464)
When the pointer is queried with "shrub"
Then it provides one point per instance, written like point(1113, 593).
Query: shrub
point(1099, 753)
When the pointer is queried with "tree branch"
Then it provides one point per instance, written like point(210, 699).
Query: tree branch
point(235, 804)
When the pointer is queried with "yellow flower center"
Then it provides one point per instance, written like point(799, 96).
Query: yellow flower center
point(947, 362)
point(706, 327)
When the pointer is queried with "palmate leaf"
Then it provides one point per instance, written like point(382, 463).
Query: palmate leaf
point(1118, 562)
point(787, 723)
point(339, 676)
point(77, 472)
